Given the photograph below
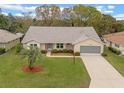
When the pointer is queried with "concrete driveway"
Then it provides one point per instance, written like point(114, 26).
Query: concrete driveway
point(102, 74)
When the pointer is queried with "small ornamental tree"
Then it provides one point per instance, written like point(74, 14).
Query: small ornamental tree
point(33, 54)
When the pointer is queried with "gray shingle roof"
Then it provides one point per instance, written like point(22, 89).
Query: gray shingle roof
point(6, 36)
point(59, 34)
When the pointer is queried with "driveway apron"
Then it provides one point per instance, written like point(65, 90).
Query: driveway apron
point(102, 74)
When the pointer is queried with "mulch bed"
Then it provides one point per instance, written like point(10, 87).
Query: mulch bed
point(34, 69)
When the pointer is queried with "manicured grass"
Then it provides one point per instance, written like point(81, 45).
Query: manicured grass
point(58, 72)
point(116, 61)
point(62, 54)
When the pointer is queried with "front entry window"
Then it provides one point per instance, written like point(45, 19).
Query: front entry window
point(57, 46)
point(60, 45)
point(33, 45)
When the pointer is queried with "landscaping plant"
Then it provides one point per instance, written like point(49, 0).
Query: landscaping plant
point(2, 50)
point(33, 54)
point(18, 48)
point(114, 50)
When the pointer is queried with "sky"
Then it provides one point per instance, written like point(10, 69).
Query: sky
point(117, 10)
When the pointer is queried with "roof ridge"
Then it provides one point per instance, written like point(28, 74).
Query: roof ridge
point(61, 26)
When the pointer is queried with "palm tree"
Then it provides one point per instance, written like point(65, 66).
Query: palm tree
point(33, 54)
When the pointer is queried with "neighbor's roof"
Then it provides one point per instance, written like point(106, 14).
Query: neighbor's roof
point(60, 34)
point(117, 38)
point(6, 36)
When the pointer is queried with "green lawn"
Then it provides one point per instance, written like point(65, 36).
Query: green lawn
point(58, 72)
point(116, 61)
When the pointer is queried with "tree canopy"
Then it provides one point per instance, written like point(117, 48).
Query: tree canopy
point(52, 15)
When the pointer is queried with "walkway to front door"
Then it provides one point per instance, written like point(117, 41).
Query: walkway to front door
point(48, 53)
point(102, 74)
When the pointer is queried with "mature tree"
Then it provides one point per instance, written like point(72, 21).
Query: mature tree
point(27, 15)
point(119, 26)
point(48, 12)
point(4, 22)
point(50, 15)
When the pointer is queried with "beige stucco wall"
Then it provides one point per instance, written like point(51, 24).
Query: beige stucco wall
point(121, 48)
point(69, 46)
point(27, 45)
point(10, 44)
point(2, 45)
point(88, 42)
point(106, 43)
point(42, 45)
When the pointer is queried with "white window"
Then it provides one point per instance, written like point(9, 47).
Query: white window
point(33, 45)
point(59, 45)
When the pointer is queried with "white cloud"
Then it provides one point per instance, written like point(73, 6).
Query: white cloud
point(6, 14)
point(108, 11)
point(110, 7)
point(61, 8)
point(99, 8)
point(18, 7)
point(105, 10)
point(33, 15)
point(19, 14)
point(119, 16)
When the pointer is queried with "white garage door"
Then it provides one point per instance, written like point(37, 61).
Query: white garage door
point(90, 49)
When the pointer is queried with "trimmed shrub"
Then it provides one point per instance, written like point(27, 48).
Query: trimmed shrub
point(62, 51)
point(114, 50)
point(104, 54)
point(77, 53)
point(18, 48)
point(70, 51)
point(54, 51)
point(2, 50)
point(43, 51)
point(67, 51)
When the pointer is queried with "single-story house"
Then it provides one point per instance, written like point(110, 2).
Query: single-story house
point(80, 39)
point(8, 39)
point(115, 40)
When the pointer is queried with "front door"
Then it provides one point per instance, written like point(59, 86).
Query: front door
point(49, 46)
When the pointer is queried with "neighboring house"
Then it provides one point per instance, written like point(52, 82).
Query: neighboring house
point(115, 40)
point(8, 39)
point(79, 39)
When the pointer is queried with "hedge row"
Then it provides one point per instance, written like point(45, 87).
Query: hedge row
point(43, 51)
point(114, 50)
point(62, 51)
point(2, 50)
point(77, 53)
